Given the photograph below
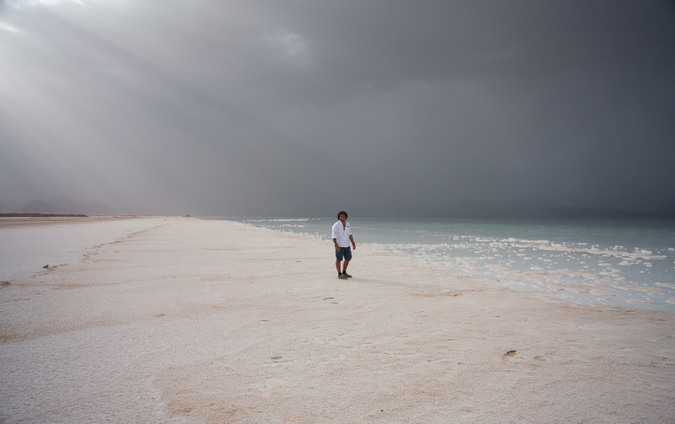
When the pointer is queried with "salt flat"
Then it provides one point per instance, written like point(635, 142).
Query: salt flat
point(193, 321)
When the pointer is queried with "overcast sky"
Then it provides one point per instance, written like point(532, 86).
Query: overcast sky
point(305, 107)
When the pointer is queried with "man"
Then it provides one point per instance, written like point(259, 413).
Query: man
point(342, 235)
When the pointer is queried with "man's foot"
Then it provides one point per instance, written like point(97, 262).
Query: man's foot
point(346, 275)
point(342, 277)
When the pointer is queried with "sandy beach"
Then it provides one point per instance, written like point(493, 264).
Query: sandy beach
point(182, 320)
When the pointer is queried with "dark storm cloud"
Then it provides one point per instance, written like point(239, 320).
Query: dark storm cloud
point(302, 107)
point(382, 44)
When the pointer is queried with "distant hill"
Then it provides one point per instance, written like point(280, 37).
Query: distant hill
point(440, 209)
point(40, 215)
point(60, 205)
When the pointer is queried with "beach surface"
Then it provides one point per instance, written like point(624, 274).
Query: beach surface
point(182, 320)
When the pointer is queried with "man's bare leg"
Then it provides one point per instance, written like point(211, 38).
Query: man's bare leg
point(344, 267)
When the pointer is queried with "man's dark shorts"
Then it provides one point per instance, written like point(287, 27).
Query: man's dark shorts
point(345, 252)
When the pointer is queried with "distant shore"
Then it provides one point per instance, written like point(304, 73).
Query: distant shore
point(25, 219)
point(40, 215)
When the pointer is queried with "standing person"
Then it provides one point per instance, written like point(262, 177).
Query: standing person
point(342, 235)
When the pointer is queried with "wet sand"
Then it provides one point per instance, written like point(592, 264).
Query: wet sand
point(195, 321)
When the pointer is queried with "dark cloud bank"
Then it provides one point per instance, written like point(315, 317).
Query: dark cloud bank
point(301, 108)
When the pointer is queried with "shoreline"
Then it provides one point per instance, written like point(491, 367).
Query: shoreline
point(606, 266)
point(47, 219)
point(190, 321)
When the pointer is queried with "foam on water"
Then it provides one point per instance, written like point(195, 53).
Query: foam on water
point(619, 263)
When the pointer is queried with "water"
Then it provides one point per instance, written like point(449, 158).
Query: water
point(628, 264)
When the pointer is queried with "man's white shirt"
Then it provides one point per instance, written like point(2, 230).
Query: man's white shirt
point(341, 233)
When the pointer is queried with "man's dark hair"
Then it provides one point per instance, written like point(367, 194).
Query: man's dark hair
point(342, 212)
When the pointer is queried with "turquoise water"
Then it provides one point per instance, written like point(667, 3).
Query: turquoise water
point(628, 264)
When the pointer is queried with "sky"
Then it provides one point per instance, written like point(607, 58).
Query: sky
point(306, 107)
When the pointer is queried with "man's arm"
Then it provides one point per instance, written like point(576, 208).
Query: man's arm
point(352, 240)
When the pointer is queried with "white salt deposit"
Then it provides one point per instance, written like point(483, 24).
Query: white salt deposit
point(189, 321)
point(27, 249)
